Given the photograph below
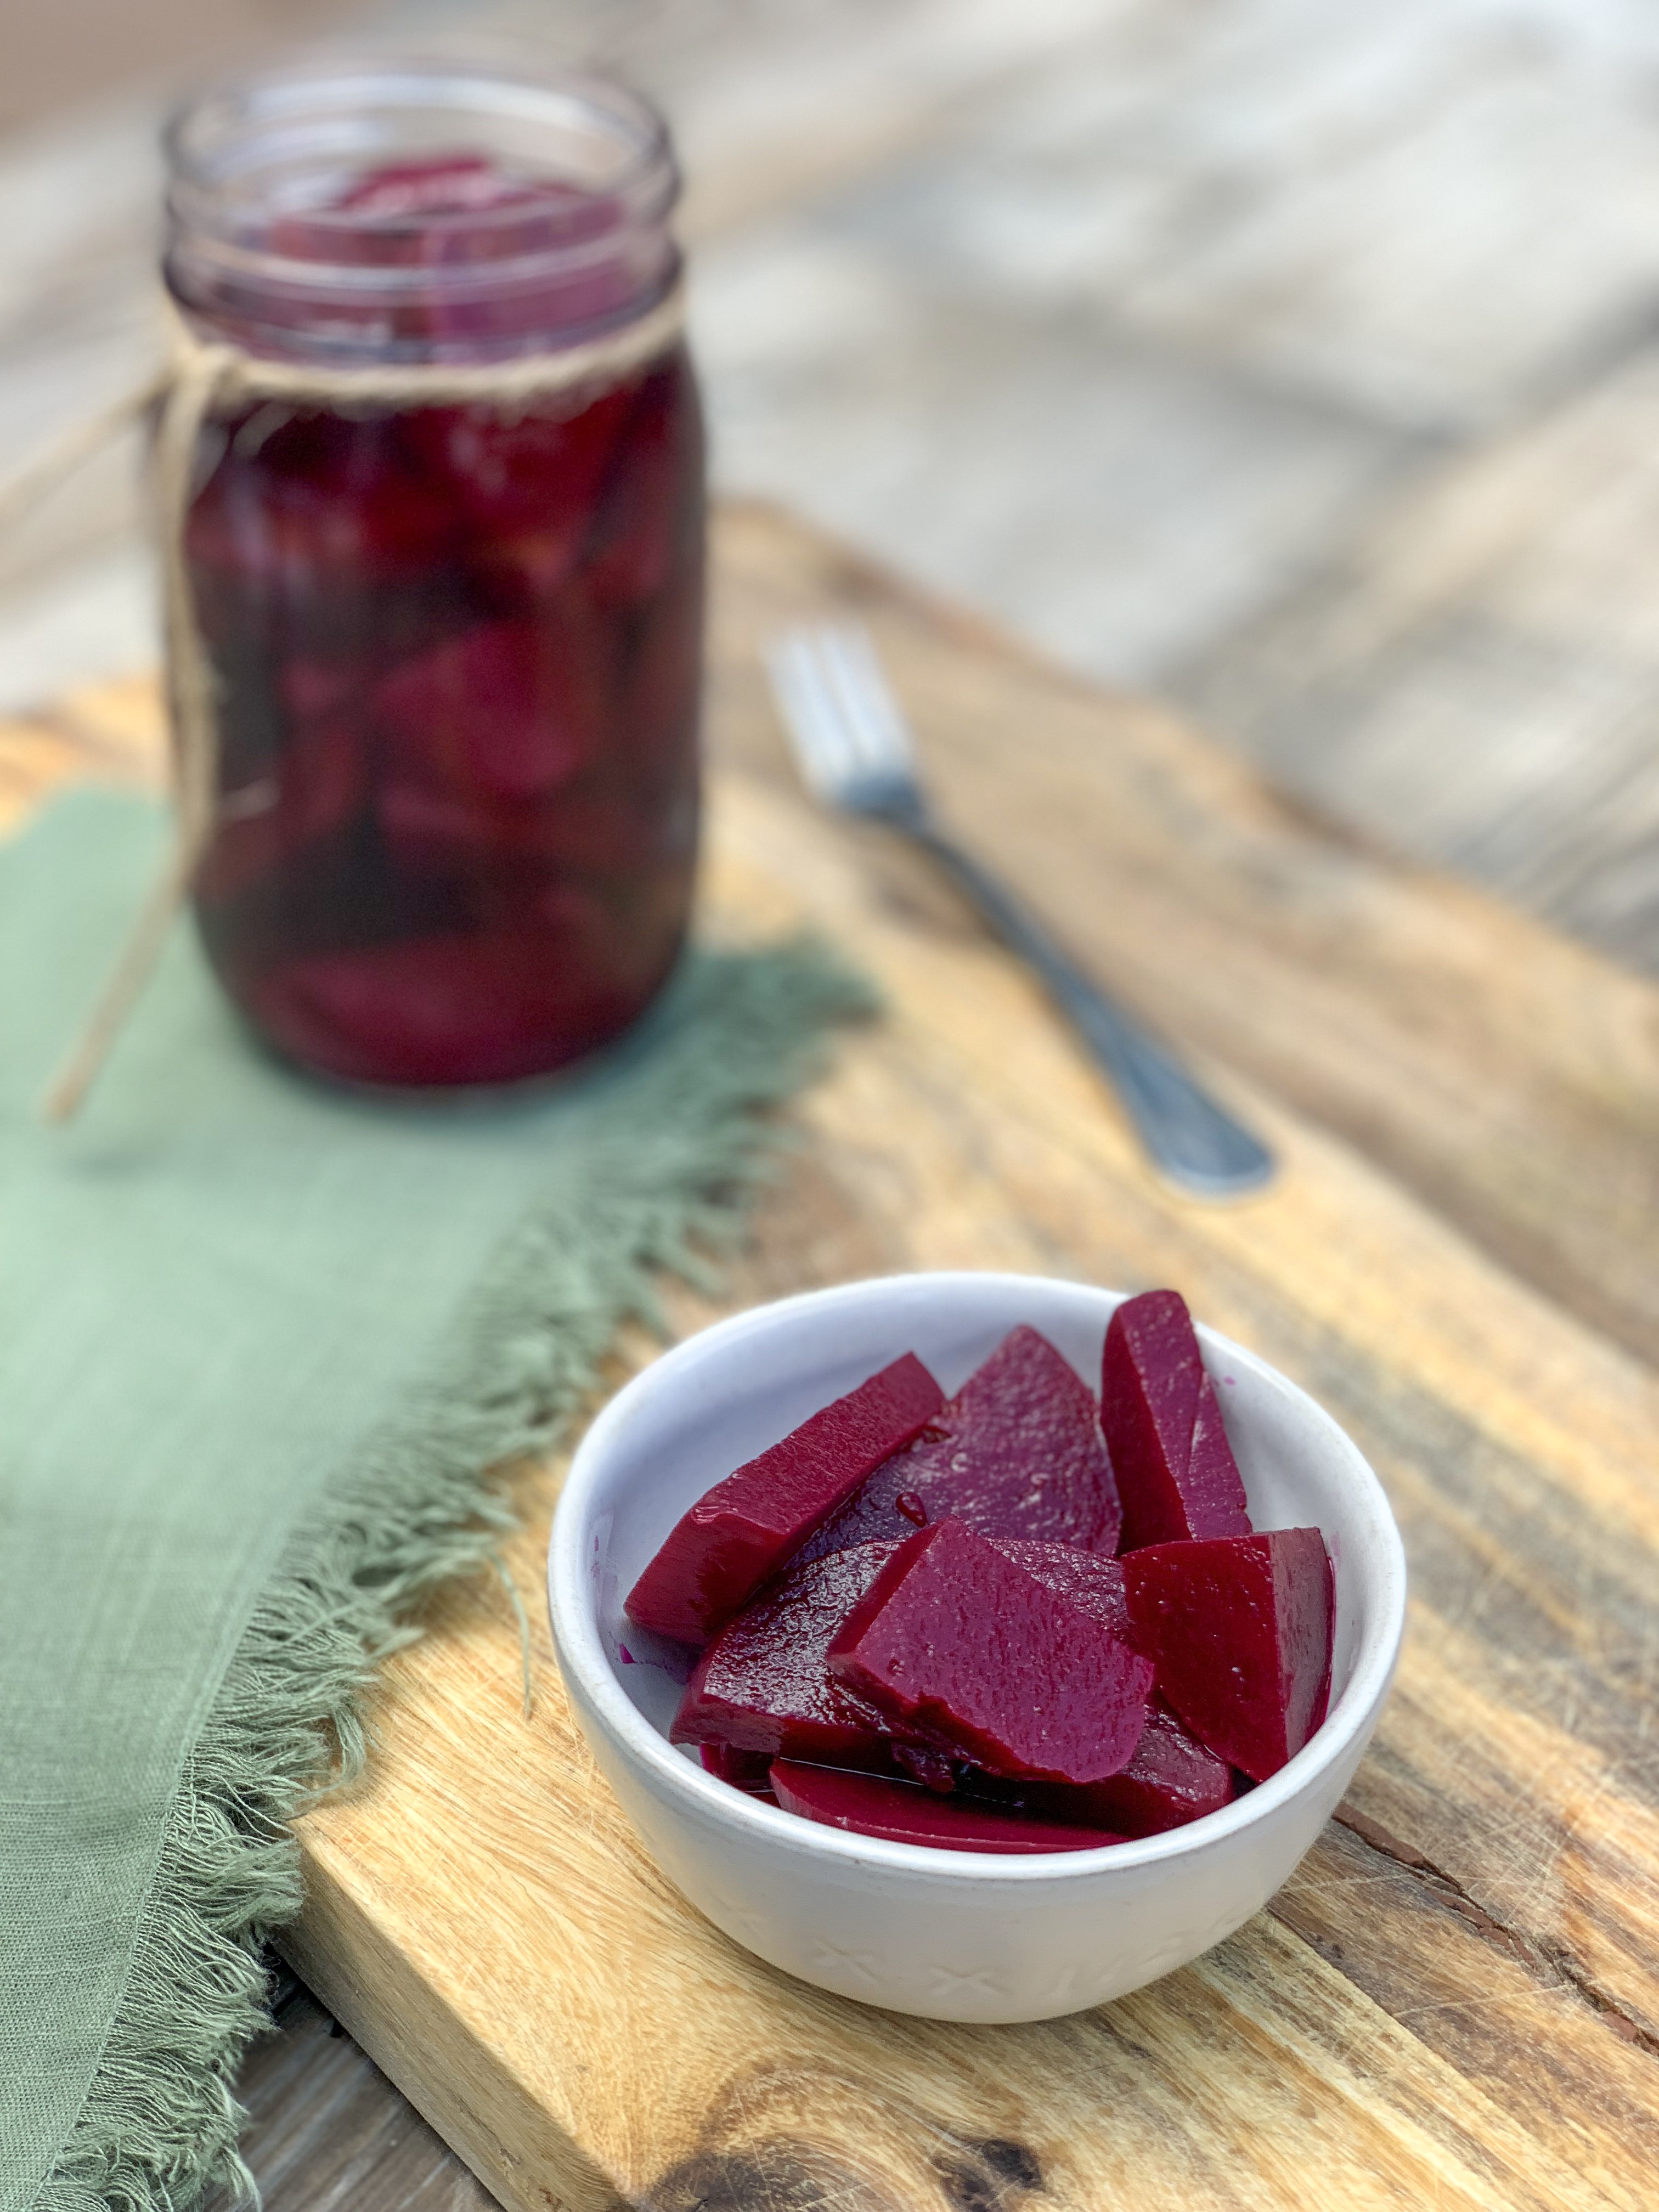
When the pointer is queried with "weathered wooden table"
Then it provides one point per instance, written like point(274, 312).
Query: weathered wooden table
point(1455, 2002)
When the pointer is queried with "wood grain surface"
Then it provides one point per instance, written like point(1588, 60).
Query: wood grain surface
point(1294, 359)
point(1456, 2000)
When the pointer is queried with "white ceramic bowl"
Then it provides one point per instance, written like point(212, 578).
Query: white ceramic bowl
point(948, 1934)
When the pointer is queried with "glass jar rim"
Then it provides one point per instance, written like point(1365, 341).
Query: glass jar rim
point(246, 158)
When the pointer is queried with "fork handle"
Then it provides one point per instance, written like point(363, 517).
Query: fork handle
point(1196, 1143)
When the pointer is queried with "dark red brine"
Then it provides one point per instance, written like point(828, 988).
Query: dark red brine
point(456, 647)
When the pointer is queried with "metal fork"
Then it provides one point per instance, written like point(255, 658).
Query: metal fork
point(854, 750)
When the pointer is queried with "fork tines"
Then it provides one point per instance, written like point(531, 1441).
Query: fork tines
point(842, 719)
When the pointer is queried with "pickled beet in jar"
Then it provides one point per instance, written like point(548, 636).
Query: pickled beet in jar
point(453, 627)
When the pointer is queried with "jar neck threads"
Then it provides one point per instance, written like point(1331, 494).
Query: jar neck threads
point(412, 212)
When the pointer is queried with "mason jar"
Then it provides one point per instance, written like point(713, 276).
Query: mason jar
point(441, 554)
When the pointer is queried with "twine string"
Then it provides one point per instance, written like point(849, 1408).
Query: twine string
point(203, 379)
point(64, 454)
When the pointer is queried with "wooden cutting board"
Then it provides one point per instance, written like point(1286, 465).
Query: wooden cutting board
point(1455, 2002)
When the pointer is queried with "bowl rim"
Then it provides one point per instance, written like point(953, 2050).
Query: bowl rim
point(590, 1673)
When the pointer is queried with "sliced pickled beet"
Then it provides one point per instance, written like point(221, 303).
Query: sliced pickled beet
point(1093, 1584)
point(590, 832)
point(657, 685)
point(1018, 1452)
point(934, 1770)
point(1176, 1475)
point(431, 828)
point(1239, 1629)
point(425, 572)
point(302, 509)
point(762, 1685)
point(903, 1813)
point(306, 792)
point(746, 1527)
point(630, 553)
point(504, 710)
point(310, 688)
point(402, 215)
point(449, 183)
point(1171, 1779)
point(441, 1011)
point(956, 1641)
point(527, 483)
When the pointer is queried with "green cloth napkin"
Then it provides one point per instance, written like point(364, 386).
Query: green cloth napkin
point(259, 1342)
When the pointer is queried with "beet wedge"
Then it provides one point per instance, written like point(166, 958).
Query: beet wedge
point(1172, 1779)
point(955, 1641)
point(1176, 1475)
point(903, 1812)
point(1018, 1452)
point(762, 1685)
point(1085, 1580)
point(743, 1530)
point(1239, 1629)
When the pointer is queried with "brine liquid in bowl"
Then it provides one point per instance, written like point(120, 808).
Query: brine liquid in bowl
point(456, 645)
